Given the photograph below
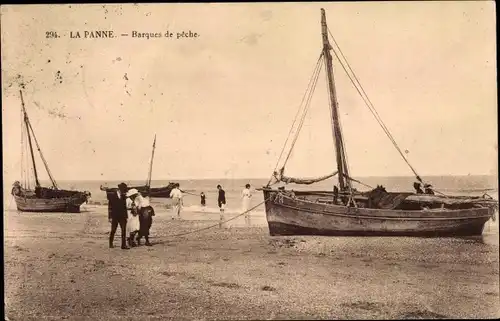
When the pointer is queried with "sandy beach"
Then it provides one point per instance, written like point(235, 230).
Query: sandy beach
point(368, 101)
point(58, 266)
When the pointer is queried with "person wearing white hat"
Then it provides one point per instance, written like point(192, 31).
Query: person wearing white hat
point(133, 216)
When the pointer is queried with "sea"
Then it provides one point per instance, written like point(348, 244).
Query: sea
point(474, 185)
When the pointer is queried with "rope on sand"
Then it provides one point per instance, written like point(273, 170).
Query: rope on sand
point(211, 226)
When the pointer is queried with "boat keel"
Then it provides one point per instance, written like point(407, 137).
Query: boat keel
point(282, 229)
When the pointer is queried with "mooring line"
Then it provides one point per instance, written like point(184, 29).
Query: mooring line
point(214, 225)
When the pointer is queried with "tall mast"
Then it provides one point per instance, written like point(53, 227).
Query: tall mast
point(148, 183)
point(337, 133)
point(28, 128)
point(26, 122)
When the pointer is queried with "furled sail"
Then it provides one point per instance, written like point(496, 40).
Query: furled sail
point(280, 177)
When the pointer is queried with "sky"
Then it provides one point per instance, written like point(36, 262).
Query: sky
point(221, 105)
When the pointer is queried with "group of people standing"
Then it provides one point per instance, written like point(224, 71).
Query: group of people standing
point(177, 202)
point(132, 211)
point(246, 196)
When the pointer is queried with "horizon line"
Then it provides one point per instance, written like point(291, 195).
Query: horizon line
point(255, 178)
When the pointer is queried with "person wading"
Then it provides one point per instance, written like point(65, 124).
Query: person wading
point(203, 201)
point(146, 213)
point(221, 201)
point(176, 196)
point(246, 196)
point(117, 214)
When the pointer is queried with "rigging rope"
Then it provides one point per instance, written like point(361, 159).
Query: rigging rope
point(23, 177)
point(23, 159)
point(27, 160)
point(346, 165)
point(369, 104)
point(225, 221)
point(306, 108)
point(331, 114)
point(340, 141)
point(355, 180)
point(296, 115)
point(26, 169)
point(43, 158)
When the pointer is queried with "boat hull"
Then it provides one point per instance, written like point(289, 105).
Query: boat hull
point(44, 205)
point(157, 192)
point(287, 215)
point(160, 192)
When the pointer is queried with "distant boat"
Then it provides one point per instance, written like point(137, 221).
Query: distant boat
point(39, 198)
point(347, 211)
point(158, 192)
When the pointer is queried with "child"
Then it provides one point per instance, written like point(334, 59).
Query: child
point(202, 196)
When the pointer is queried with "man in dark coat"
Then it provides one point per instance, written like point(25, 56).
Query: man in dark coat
point(117, 213)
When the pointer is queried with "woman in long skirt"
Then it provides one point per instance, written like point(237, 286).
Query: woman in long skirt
point(246, 196)
point(146, 213)
point(133, 224)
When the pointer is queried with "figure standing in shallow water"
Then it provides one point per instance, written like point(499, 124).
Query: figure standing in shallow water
point(221, 201)
point(246, 196)
point(176, 196)
point(203, 200)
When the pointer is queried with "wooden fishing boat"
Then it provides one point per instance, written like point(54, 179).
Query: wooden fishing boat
point(39, 198)
point(158, 192)
point(376, 212)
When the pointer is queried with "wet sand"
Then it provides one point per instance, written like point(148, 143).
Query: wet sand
point(58, 266)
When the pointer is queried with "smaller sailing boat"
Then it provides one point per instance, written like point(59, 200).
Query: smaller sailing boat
point(42, 199)
point(159, 192)
point(347, 211)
